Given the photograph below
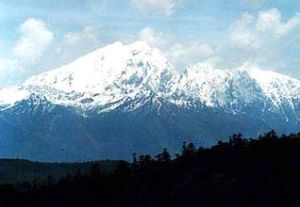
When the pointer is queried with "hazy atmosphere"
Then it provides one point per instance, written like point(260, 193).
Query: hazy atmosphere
point(225, 34)
point(149, 103)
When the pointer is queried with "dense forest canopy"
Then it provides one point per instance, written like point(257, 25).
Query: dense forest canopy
point(240, 172)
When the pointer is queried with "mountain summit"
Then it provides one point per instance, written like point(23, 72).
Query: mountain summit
point(123, 99)
point(105, 76)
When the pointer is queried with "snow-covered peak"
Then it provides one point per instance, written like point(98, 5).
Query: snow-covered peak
point(107, 75)
point(238, 88)
point(277, 87)
point(11, 95)
point(105, 66)
point(117, 73)
point(216, 87)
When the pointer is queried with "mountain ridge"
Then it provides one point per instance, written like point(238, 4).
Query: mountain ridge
point(123, 99)
point(118, 71)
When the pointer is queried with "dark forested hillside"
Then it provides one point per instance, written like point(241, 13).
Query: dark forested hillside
point(18, 170)
point(240, 172)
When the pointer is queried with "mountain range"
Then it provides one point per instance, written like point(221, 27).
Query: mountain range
point(125, 99)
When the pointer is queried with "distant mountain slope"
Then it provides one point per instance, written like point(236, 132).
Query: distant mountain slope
point(17, 170)
point(123, 99)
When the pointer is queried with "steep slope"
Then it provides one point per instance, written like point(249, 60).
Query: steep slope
point(104, 77)
point(50, 132)
point(123, 99)
point(272, 97)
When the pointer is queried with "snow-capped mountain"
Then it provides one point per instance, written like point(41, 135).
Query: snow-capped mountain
point(106, 76)
point(237, 90)
point(246, 85)
point(123, 99)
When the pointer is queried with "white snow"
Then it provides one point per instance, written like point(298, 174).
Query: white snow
point(11, 95)
point(111, 75)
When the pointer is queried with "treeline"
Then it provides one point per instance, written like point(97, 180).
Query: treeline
point(19, 170)
point(240, 172)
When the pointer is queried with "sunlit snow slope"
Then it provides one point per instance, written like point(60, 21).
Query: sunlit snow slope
point(123, 99)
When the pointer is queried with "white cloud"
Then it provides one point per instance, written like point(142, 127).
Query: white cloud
point(75, 44)
point(29, 49)
point(10, 71)
point(36, 49)
point(155, 38)
point(35, 39)
point(255, 31)
point(242, 33)
point(260, 38)
point(165, 7)
point(181, 54)
point(7, 64)
point(89, 33)
point(271, 21)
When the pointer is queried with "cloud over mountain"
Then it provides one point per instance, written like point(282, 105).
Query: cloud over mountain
point(165, 7)
point(35, 39)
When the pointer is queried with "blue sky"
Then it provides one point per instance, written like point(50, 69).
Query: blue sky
point(36, 36)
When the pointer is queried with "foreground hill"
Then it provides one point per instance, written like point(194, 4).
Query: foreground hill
point(119, 99)
point(264, 172)
point(17, 170)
